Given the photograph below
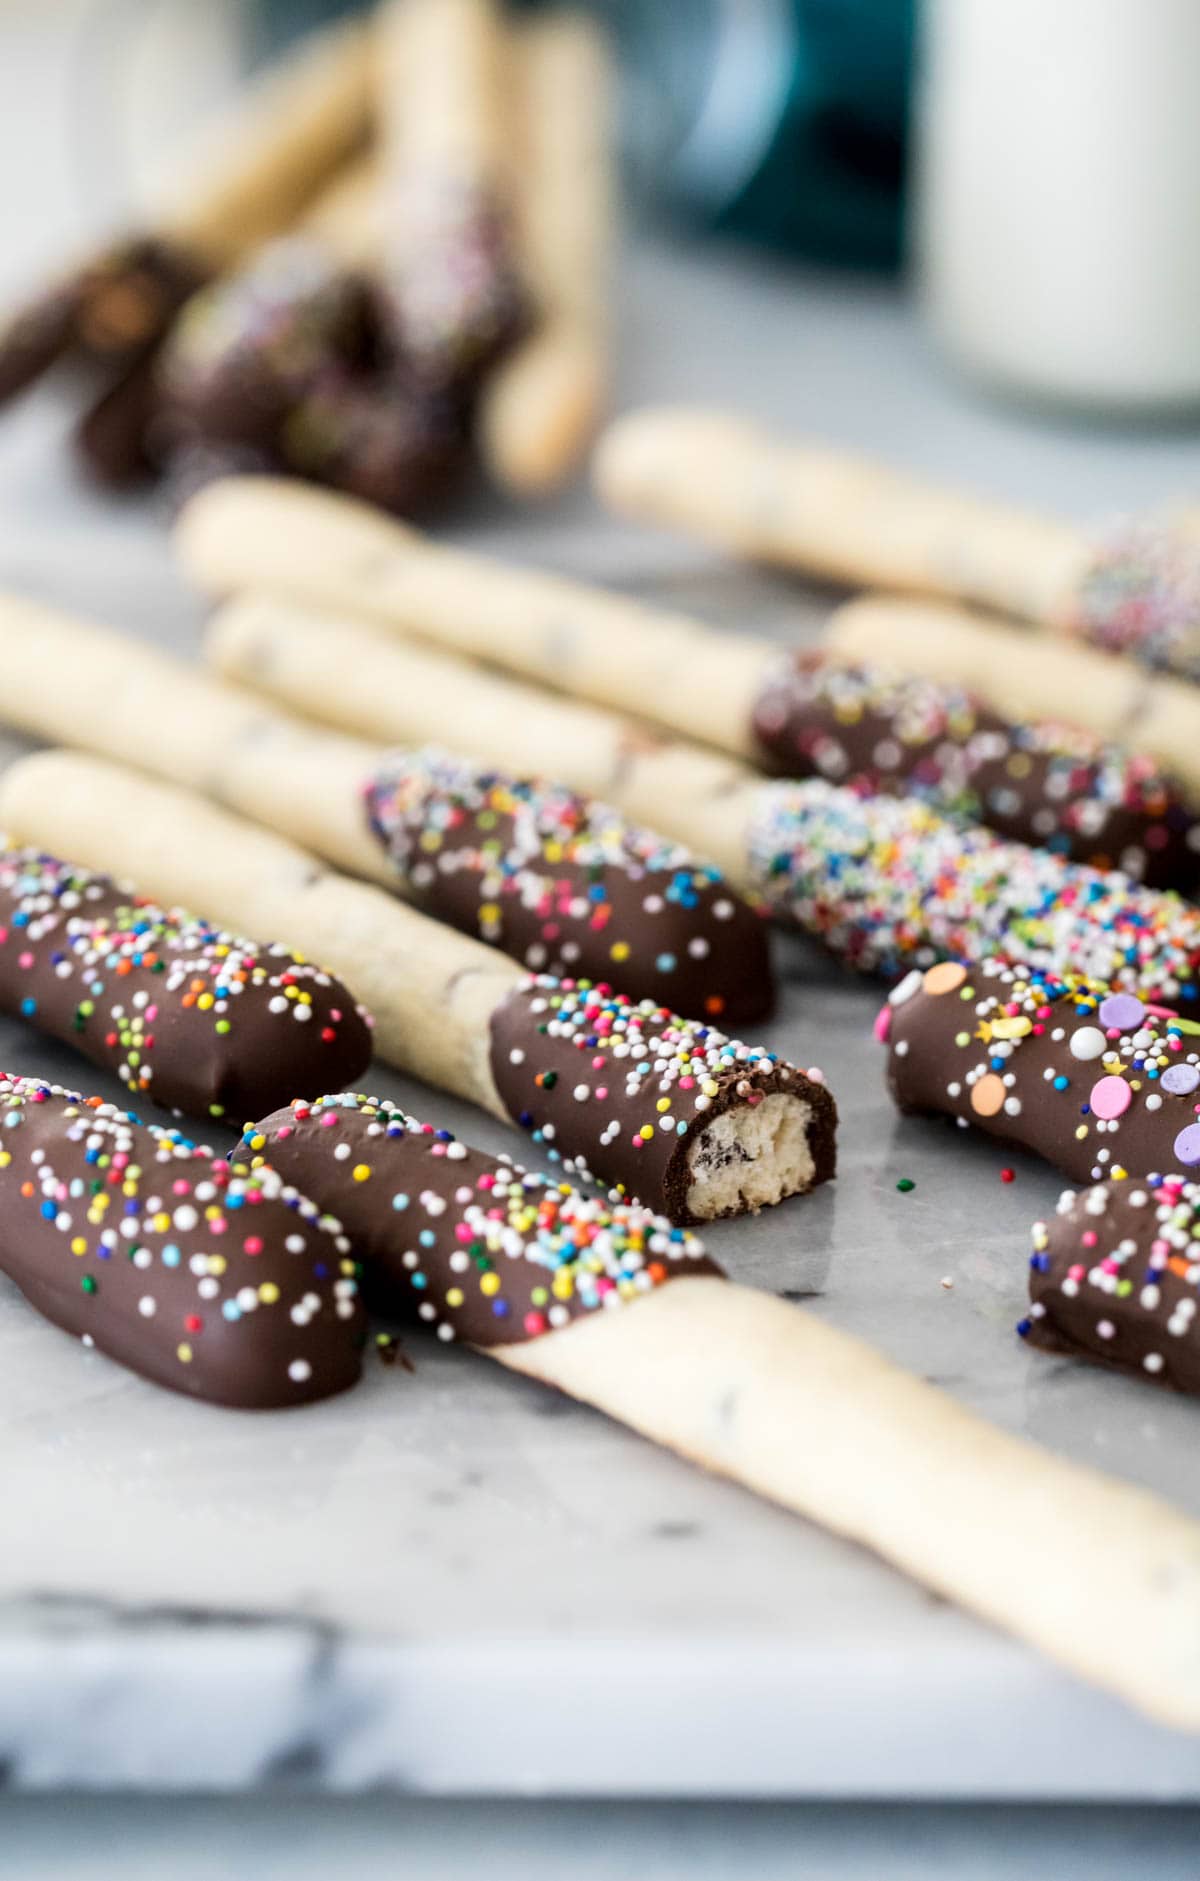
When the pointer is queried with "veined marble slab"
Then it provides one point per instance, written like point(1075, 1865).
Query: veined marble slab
point(452, 1580)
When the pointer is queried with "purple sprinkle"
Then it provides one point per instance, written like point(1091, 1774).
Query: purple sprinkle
point(1122, 1011)
point(1187, 1145)
point(1180, 1080)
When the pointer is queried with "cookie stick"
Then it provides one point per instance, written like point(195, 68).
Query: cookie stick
point(695, 1124)
point(447, 244)
point(690, 679)
point(883, 883)
point(248, 178)
point(185, 1013)
point(195, 730)
point(833, 514)
point(1024, 678)
point(726, 1377)
point(1098, 1083)
point(221, 1282)
point(327, 551)
point(1134, 590)
point(540, 405)
point(1032, 781)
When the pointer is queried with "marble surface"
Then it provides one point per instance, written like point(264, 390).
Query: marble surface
point(452, 1581)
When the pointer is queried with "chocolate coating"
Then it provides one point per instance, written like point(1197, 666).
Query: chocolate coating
point(565, 885)
point(295, 360)
point(195, 1018)
point(1114, 1277)
point(106, 316)
point(1038, 783)
point(251, 344)
point(457, 296)
point(223, 1283)
point(472, 1246)
point(619, 1092)
point(1096, 1082)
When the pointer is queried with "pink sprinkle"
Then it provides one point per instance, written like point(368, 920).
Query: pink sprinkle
point(328, 1120)
point(1089, 1237)
point(25, 960)
point(883, 1025)
point(1110, 1097)
point(253, 1244)
point(284, 1130)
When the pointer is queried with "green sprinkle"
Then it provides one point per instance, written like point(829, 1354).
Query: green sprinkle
point(906, 1185)
point(88, 1284)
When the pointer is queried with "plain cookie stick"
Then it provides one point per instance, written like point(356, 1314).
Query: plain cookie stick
point(540, 405)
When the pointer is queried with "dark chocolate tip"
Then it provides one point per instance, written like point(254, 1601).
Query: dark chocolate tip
point(467, 1245)
point(567, 886)
point(185, 1014)
point(1113, 1279)
point(619, 1092)
point(222, 1283)
point(1044, 783)
point(1097, 1082)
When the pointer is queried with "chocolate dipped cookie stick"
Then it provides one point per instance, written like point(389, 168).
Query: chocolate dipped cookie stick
point(566, 885)
point(220, 1281)
point(624, 1313)
point(195, 1018)
point(1135, 589)
point(729, 690)
point(1113, 1277)
point(447, 235)
point(1035, 782)
point(1097, 1082)
point(617, 896)
point(540, 405)
point(881, 882)
point(1024, 678)
point(294, 357)
point(691, 1122)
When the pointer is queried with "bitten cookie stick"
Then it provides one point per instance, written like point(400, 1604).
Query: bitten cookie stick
point(1134, 590)
point(447, 241)
point(883, 883)
point(693, 1123)
point(565, 885)
point(1099, 1083)
point(193, 1017)
point(541, 404)
point(618, 1310)
point(219, 1281)
point(1114, 1277)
